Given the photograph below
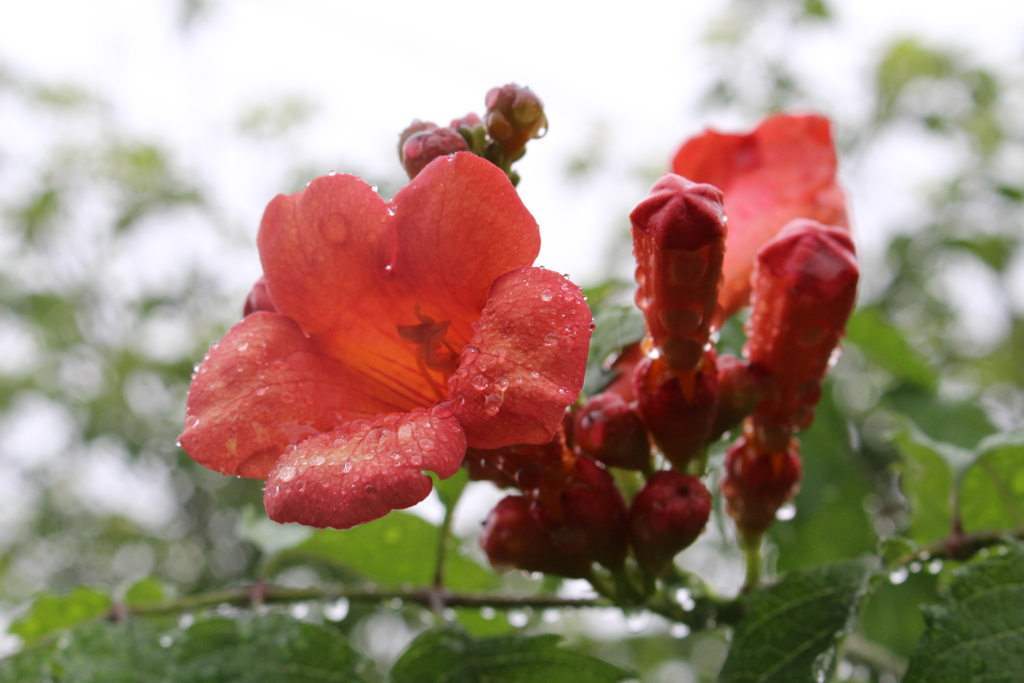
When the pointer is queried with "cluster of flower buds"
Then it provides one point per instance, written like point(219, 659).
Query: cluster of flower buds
point(570, 513)
point(673, 395)
point(514, 116)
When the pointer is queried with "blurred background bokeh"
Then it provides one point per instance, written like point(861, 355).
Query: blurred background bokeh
point(139, 143)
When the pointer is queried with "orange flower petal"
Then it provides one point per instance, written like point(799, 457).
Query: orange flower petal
point(351, 269)
point(784, 169)
point(366, 469)
point(526, 362)
point(264, 387)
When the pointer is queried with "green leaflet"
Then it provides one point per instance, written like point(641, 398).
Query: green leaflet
point(978, 634)
point(792, 628)
point(452, 656)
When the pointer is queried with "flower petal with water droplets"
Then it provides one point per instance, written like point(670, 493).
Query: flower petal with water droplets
point(526, 363)
point(264, 387)
point(362, 471)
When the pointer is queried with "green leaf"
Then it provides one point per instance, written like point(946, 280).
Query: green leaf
point(615, 326)
point(267, 535)
point(270, 649)
point(883, 344)
point(449, 490)
point(452, 656)
point(978, 634)
point(51, 613)
point(991, 494)
point(145, 591)
point(394, 551)
point(894, 548)
point(792, 628)
point(930, 470)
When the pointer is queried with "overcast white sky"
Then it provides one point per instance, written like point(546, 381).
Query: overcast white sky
point(372, 67)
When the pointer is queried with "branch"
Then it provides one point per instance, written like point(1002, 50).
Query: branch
point(961, 547)
point(246, 596)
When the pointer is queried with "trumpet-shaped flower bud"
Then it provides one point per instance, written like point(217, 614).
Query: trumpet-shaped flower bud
point(679, 412)
point(540, 472)
point(514, 116)
point(588, 526)
point(259, 299)
point(758, 482)
point(740, 388)
point(610, 430)
point(419, 149)
point(679, 242)
point(784, 169)
point(668, 515)
point(805, 283)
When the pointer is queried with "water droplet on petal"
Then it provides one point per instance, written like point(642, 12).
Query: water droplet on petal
point(479, 382)
point(243, 346)
point(550, 339)
point(191, 421)
point(546, 295)
point(416, 461)
point(286, 473)
point(427, 444)
point(261, 389)
point(347, 467)
point(370, 490)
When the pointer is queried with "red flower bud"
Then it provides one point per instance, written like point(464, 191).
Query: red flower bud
point(758, 482)
point(514, 117)
point(678, 411)
point(416, 126)
point(611, 431)
point(589, 526)
point(804, 287)
point(541, 472)
point(470, 122)
point(419, 149)
point(259, 299)
point(740, 388)
point(668, 515)
point(679, 242)
point(512, 537)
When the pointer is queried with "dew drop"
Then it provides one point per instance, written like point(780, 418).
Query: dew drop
point(786, 512)
point(191, 421)
point(479, 383)
point(679, 630)
point(287, 473)
point(261, 389)
point(347, 467)
point(637, 622)
point(415, 461)
point(243, 346)
point(517, 618)
point(550, 339)
point(546, 295)
point(898, 576)
point(427, 444)
point(337, 610)
point(501, 384)
point(370, 489)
